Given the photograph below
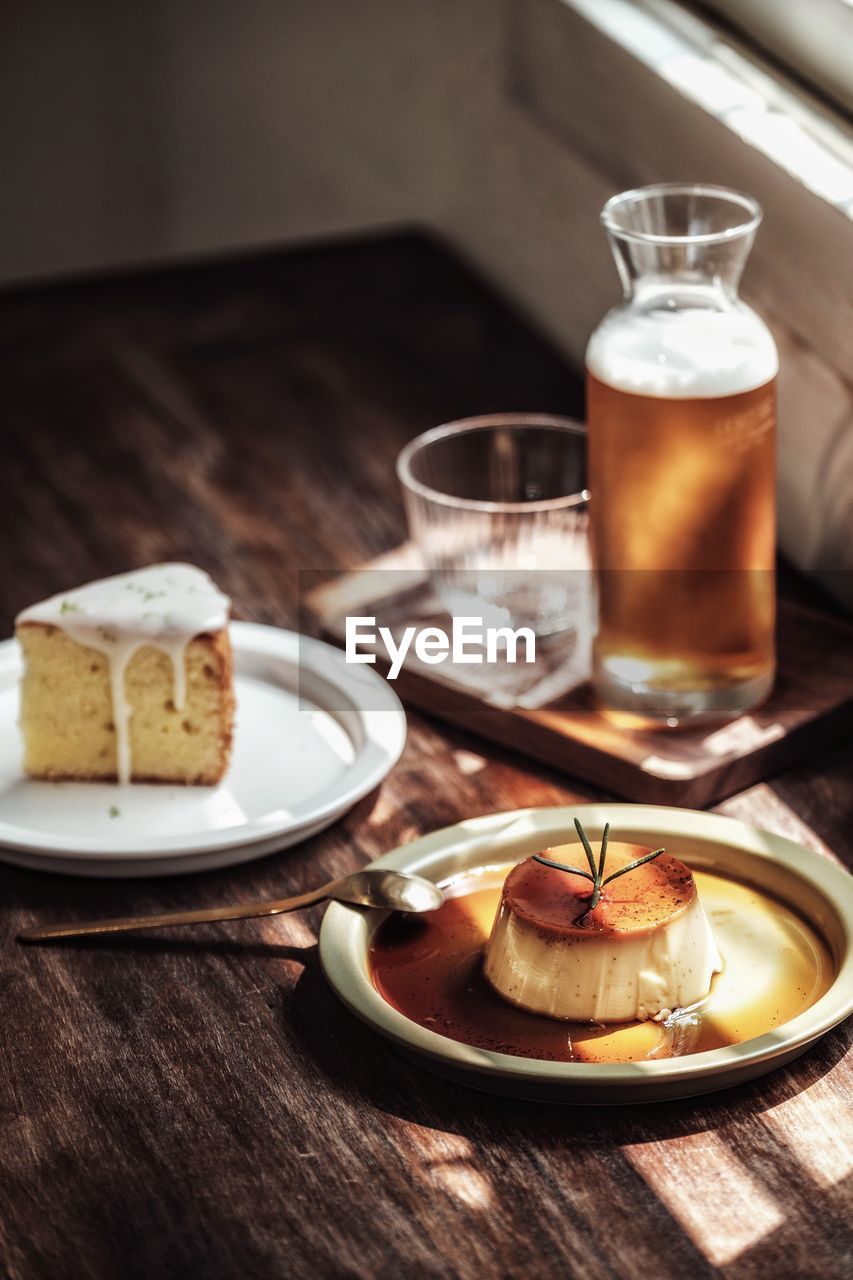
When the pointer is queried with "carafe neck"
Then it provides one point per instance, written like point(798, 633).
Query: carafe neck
point(678, 275)
point(681, 244)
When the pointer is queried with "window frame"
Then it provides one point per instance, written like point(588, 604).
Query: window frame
point(814, 40)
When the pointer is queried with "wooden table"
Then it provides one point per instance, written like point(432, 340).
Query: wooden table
point(200, 1105)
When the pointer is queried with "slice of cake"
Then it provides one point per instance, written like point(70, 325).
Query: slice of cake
point(129, 679)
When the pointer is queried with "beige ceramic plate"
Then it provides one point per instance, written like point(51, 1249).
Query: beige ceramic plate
point(818, 889)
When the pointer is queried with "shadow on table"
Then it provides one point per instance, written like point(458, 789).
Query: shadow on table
point(353, 1059)
point(359, 1065)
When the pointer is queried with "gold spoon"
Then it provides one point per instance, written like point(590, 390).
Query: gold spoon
point(390, 890)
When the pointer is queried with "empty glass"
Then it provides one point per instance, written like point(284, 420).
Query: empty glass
point(498, 508)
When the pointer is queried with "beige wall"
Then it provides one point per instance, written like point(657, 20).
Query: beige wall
point(136, 131)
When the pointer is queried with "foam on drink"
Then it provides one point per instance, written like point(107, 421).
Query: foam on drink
point(683, 352)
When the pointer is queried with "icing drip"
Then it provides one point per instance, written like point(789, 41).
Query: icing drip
point(166, 606)
point(177, 655)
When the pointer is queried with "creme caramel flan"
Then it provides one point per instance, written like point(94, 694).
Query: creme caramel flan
point(129, 679)
point(644, 949)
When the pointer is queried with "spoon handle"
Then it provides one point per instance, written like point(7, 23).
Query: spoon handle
point(123, 924)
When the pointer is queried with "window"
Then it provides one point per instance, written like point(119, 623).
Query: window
point(814, 38)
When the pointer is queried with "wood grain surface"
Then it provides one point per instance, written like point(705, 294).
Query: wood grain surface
point(201, 1105)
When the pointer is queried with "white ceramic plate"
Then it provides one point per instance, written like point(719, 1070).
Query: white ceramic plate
point(313, 735)
point(814, 886)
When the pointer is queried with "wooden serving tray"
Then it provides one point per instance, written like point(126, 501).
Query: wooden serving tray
point(547, 711)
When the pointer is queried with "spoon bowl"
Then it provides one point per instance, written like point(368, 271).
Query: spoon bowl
point(391, 890)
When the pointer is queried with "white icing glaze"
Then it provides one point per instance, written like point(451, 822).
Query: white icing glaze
point(165, 605)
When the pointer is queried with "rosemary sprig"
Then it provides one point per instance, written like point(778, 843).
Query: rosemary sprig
point(632, 866)
point(561, 866)
point(587, 848)
point(596, 871)
point(599, 880)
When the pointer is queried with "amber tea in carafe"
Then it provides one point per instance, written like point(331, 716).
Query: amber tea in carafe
point(681, 412)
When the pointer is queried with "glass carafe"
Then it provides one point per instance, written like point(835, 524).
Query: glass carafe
point(681, 409)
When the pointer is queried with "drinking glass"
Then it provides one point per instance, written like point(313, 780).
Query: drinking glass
point(498, 508)
point(681, 381)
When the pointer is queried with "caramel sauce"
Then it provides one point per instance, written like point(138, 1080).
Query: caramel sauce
point(429, 968)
